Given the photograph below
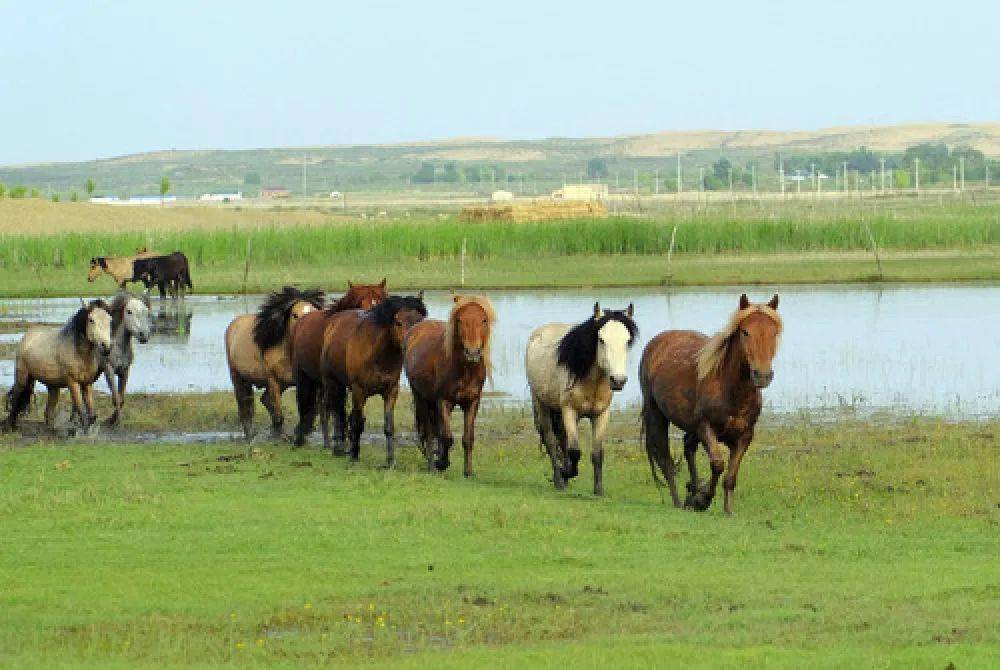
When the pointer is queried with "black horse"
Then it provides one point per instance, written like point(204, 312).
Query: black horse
point(167, 272)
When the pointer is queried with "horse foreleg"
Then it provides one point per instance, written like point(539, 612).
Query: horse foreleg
point(469, 434)
point(445, 438)
point(703, 499)
point(273, 392)
point(599, 426)
point(324, 413)
point(76, 395)
point(422, 420)
point(571, 422)
point(51, 402)
point(389, 427)
point(88, 402)
point(338, 406)
point(691, 456)
point(306, 392)
point(735, 458)
point(543, 422)
point(356, 423)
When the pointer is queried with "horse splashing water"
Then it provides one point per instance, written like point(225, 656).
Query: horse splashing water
point(258, 352)
point(363, 353)
point(572, 372)
point(447, 363)
point(710, 388)
point(71, 357)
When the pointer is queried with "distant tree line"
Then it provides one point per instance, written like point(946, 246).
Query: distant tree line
point(937, 162)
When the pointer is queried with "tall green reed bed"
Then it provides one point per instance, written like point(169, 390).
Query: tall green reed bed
point(704, 232)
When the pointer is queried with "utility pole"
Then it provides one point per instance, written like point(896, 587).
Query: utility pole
point(701, 180)
point(916, 174)
point(635, 181)
point(954, 177)
point(987, 176)
point(304, 192)
point(812, 170)
point(847, 187)
point(961, 168)
point(781, 176)
point(753, 178)
point(679, 186)
point(656, 181)
point(883, 174)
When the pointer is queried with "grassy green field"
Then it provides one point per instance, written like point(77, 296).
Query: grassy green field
point(719, 245)
point(855, 544)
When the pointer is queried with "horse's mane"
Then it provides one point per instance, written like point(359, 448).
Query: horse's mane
point(452, 327)
point(577, 349)
point(76, 327)
point(117, 306)
point(713, 353)
point(272, 317)
point(384, 312)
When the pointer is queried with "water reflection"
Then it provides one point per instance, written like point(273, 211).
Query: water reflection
point(925, 348)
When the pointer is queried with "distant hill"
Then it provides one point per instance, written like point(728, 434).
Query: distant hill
point(484, 162)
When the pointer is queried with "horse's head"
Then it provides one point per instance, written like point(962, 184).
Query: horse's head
point(299, 310)
point(137, 318)
point(364, 296)
point(614, 339)
point(97, 266)
point(98, 326)
point(399, 314)
point(757, 337)
point(471, 321)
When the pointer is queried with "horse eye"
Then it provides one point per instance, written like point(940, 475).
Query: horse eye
point(744, 332)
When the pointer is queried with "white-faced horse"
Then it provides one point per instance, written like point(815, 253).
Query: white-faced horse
point(130, 318)
point(572, 372)
point(71, 357)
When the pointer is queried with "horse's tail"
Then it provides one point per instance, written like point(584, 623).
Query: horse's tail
point(186, 274)
point(643, 433)
point(18, 399)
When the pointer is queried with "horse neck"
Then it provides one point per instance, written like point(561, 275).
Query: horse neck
point(381, 338)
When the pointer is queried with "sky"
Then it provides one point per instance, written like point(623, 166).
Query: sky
point(96, 79)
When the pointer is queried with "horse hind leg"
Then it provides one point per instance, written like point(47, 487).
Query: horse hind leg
point(306, 393)
point(424, 433)
point(18, 399)
point(546, 431)
point(656, 435)
point(691, 456)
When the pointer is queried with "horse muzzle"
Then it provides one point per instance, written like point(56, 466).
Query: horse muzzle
point(618, 383)
point(761, 379)
point(473, 355)
point(142, 337)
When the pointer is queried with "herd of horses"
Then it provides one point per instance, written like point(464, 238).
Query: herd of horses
point(360, 345)
point(170, 273)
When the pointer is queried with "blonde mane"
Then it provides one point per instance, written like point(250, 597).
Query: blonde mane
point(491, 318)
point(711, 355)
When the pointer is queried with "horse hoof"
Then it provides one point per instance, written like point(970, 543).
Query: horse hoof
point(599, 491)
point(441, 466)
point(559, 482)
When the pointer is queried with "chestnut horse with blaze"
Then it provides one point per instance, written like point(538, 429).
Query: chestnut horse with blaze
point(363, 353)
point(447, 363)
point(306, 344)
point(710, 388)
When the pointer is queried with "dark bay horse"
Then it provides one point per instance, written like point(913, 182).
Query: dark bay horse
point(447, 363)
point(258, 352)
point(710, 388)
point(363, 353)
point(307, 344)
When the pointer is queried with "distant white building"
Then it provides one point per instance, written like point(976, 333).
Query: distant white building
point(140, 200)
point(221, 197)
point(581, 192)
point(336, 195)
point(103, 199)
point(502, 196)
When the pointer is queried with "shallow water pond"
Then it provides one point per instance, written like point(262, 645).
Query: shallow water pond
point(925, 348)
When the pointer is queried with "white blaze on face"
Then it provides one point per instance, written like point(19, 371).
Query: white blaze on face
point(612, 351)
point(99, 328)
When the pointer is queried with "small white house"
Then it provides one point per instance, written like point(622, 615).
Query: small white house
point(221, 197)
point(336, 195)
point(103, 199)
point(502, 196)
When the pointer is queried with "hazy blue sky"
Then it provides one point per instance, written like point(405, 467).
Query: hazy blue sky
point(93, 79)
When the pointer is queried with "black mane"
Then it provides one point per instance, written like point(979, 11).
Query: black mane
point(577, 349)
point(272, 317)
point(76, 327)
point(385, 312)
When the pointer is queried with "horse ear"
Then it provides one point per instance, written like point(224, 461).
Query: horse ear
point(382, 283)
point(597, 310)
point(773, 302)
point(420, 294)
point(455, 297)
point(82, 303)
point(744, 301)
point(350, 284)
point(630, 310)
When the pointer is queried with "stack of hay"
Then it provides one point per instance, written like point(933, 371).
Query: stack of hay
point(538, 210)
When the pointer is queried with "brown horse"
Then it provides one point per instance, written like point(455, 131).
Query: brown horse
point(363, 352)
point(710, 388)
point(447, 364)
point(307, 343)
point(257, 350)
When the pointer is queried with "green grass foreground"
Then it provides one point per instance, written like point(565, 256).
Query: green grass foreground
point(855, 544)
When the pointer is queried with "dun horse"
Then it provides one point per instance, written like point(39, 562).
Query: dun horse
point(119, 268)
point(710, 388)
point(307, 348)
point(129, 318)
point(71, 357)
point(447, 364)
point(572, 372)
point(363, 352)
point(258, 352)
